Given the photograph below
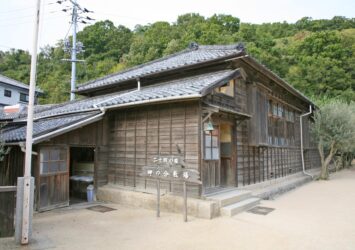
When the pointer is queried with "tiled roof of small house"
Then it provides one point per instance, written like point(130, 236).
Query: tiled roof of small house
point(195, 54)
point(23, 111)
point(17, 133)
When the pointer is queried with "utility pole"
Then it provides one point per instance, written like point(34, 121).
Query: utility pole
point(77, 47)
point(27, 180)
point(73, 51)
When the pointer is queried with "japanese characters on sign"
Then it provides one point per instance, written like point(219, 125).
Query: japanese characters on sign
point(171, 168)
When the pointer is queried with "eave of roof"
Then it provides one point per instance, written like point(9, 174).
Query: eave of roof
point(12, 82)
point(47, 128)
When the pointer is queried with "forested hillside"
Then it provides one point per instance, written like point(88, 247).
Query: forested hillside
point(316, 56)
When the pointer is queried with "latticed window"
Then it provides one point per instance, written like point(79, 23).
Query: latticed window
point(53, 160)
point(281, 128)
point(211, 145)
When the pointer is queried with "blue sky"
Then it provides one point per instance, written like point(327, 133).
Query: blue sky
point(16, 16)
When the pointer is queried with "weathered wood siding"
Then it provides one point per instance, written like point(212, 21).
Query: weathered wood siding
point(7, 211)
point(12, 167)
point(257, 160)
point(93, 135)
point(139, 134)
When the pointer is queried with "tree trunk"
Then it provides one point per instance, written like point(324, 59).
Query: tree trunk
point(324, 174)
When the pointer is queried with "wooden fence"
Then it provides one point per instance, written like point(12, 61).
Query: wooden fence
point(258, 164)
point(7, 210)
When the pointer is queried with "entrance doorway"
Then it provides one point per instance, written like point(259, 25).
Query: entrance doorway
point(226, 146)
point(81, 172)
point(53, 181)
point(219, 168)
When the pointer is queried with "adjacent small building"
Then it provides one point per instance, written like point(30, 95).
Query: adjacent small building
point(235, 121)
point(13, 92)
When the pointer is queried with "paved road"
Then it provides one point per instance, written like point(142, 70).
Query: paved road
point(319, 215)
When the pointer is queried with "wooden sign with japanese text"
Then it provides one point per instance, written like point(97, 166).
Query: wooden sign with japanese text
point(171, 168)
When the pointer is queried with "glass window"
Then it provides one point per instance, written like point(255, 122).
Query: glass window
point(227, 89)
point(211, 145)
point(53, 160)
point(7, 93)
point(280, 124)
point(23, 97)
point(226, 140)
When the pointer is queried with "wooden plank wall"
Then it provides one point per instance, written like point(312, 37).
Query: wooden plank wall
point(7, 212)
point(139, 134)
point(242, 137)
point(93, 135)
point(53, 191)
point(12, 167)
point(258, 164)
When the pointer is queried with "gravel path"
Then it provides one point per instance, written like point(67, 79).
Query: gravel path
point(318, 215)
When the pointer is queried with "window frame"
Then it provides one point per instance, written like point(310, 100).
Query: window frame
point(7, 93)
point(209, 147)
point(25, 96)
point(281, 124)
point(50, 169)
point(227, 86)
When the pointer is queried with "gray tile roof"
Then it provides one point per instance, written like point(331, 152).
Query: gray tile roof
point(13, 82)
point(50, 118)
point(194, 55)
point(184, 87)
point(17, 133)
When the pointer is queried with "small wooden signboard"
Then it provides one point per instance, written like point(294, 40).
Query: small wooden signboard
point(171, 168)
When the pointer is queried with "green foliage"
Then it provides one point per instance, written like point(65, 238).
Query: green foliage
point(334, 130)
point(316, 56)
point(334, 124)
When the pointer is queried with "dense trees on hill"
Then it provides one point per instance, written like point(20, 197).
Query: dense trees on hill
point(316, 56)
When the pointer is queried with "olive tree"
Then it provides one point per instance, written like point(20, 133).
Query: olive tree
point(334, 130)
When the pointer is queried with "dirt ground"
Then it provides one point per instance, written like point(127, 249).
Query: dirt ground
point(318, 215)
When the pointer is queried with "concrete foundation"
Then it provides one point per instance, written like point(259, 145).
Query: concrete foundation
point(200, 208)
point(19, 208)
point(168, 203)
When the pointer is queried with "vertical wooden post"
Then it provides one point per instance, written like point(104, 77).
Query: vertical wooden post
point(185, 202)
point(158, 198)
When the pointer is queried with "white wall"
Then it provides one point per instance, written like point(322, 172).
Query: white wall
point(15, 95)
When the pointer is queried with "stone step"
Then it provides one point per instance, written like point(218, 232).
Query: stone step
point(239, 206)
point(277, 189)
point(231, 197)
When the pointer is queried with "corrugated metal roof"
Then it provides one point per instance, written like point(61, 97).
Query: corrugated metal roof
point(194, 55)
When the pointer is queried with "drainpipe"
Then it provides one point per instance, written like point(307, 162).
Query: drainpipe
point(301, 130)
point(138, 84)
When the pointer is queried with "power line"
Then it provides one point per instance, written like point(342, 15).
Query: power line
point(24, 17)
point(16, 10)
point(28, 22)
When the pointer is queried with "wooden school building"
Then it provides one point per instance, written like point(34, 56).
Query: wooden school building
point(233, 119)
